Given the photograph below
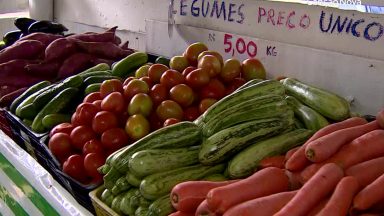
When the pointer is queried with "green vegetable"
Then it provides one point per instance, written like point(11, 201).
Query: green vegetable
point(128, 65)
point(95, 73)
point(94, 87)
point(133, 179)
point(121, 186)
point(125, 205)
point(161, 207)
point(98, 79)
point(107, 197)
point(27, 93)
point(141, 211)
point(162, 60)
point(111, 177)
point(98, 67)
point(51, 120)
point(29, 100)
point(116, 203)
point(215, 177)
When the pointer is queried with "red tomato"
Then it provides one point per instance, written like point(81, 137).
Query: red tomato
point(155, 122)
point(114, 102)
point(147, 80)
point(211, 64)
point(60, 145)
point(85, 113)
point(126, 81)
point(191, 113)
point(97, 104)
point(137, 126)
point(205, 104)
point(74, 120)
point(74, 167)
point(197, 78)
point(169, 109)
point(235, 84)
point(94, 96)
point(188, 70)
point(182, 94)
point(114, 138)
point(155, 72)
point(214, 89)
point(140, 104)
point(158, 93)
point(62, 128)
point(231, 70)
point(171, 78)
point(80, 135)
point(109, 86)
point(170, 121)
point(92, 162)
point(103, 121)
point(93, 146)
point(134, 87)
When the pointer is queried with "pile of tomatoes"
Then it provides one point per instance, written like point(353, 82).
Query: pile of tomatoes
point(157, 96)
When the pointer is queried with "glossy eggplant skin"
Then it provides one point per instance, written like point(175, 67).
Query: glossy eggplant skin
point(23, 23)
point(47, 27)
point(11, 37)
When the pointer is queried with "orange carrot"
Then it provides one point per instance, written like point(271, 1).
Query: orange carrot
point(341, 199)
point(366, 147)
point(315, 190)
point(295, 181)
point(264, 206)
point(323, 148)
point(274, 161)
point(187, 196)
point(291, 152)
point(318, 207)
point(299, 161)
point(179, 213)
point(370, 195)
point(264, 182)
point(380, 118)
point(203, 210)
point(367, 171)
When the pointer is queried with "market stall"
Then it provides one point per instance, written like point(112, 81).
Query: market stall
point(182, 108)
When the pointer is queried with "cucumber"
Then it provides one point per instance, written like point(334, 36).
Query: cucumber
point(128, 65)
point(30, 100)
point(106, 167)
point(51, 120)
point(28, 122)
point(249, 83)
point(125, 206)
point(246, 162)
point(162, 60)
point(116, 203)
point(262, 88)
point(121, 186)
point(156, 185)
point(133, 179)
point(178, 135)
point(217, 177)
point(141, 211)
point(94, 87)
point(298, 124)
point(57, 103)
point(161, 207)
point(98, 67)
point(27, 93)
point(111, 177)
point(326, 103)
point(98, 79)
point(107, 197)
point(266, 106)
point(95, 73)
point(41, 100)
point(144, 202)
point(311, 119)
point(224, 144)
point(28, 111)
point(151, 161)
point(134, 201)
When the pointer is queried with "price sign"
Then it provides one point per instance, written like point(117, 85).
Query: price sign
point(238, 45)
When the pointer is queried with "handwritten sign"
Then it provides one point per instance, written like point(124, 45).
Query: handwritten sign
point(350, 32)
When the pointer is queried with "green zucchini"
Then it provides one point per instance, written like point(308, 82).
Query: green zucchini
point(95, 73)
point(133, 179)
point(224, 144)
point(311, 119)
point(249, 83)
point(128, 65)
point(262, 107)
point(111, 177)
point(161, 207)
point(326, 103)
point(51, 120)
point(46, 96)
point(141, 211)
point(178, 135)
point(59, 102)
point(134, 201)
point(144, 202)
point(147, 162)
point(106, 167)
point(27, 93)
point(215, 177)
point(98, 67)
point(125, 202)
point(98, 79)
point(298, 124)
point(116, 203)
point(121, 186)
point(94, 87)
point(247, 161)
point(107, 197)
point(30, 99)
point(262, 88)
point(156, 185)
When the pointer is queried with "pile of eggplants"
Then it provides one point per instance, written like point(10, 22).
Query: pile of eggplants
point(27, 26)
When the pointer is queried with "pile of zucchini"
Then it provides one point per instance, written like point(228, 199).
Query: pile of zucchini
point(45, 105)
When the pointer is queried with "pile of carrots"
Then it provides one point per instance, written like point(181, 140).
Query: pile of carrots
point(339, 171)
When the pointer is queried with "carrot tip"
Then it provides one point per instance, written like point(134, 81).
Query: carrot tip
point(310, 154)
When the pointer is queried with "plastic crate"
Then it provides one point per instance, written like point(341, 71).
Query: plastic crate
point(4, 125)
point(101, 208)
